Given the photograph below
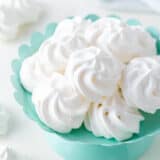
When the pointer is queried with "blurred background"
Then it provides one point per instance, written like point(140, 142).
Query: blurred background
point(148, 6)
point(25, 136)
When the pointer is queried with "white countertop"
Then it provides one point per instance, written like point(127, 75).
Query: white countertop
point(25, 136)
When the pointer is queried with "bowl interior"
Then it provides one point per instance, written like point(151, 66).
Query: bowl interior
point(149, 127)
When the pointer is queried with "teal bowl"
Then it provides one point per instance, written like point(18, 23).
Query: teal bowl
point(84, 150)
point(81, 144)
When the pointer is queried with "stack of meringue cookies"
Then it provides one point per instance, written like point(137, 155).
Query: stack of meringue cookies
point(97, 73)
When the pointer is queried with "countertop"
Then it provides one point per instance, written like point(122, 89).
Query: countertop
point(24, 136)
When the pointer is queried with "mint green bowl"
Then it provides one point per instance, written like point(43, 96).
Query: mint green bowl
point(81, 144)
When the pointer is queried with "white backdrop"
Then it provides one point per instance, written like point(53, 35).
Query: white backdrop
point(25, 136)
point(151, 6)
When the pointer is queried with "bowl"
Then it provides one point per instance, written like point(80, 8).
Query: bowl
point(81, 144)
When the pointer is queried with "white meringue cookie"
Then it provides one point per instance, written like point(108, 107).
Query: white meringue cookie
point(128, 42)
point(141, 83)
point(68, 37)
point(16, 13)
point(41, 66)
point(58, 105)
point(70, 34)
point(112, 118)
point(54, 53)
point(32, 73)
point(5, 153)
point(124, 42)
point(106, 25)
point(72, 29)
point(4, 121)
point(53, 56)
point(8, 153)
point(93, 73)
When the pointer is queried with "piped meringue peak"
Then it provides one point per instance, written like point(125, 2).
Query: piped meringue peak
point(99, 73)
point(124, 41)
point(16, 13)
point(93, 73)
point(141, 83)
point(112, 118)
point(141, 44)
point(103, 25)
point(59, 105)
point(74, 28)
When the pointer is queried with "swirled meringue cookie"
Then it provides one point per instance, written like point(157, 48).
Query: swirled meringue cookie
point(16, 13)
point(141, 83)
point(59, 105)
point(106, 25)
point(55, 52)
point(32, 73)
point(112, 118)
point(128, 43)
point(72, 29)
point(68, 37)
point(38, 68)
point(69, 34)
point(93, 73)
point(123, 41)
point(6, 153)
point(53, 56)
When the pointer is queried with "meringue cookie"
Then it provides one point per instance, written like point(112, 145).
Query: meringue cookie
point(32, 73)
point(93, 73)
point(124, 42)
point(106, 25)
point(67, 38)
point(4, 121)
point(5, 153)
point(50, 58)
point(53, 56)
point(8, 153)
point(54, 53)
point(141, 83)
point(127, 43)
point(72, 29)
point(58, 105)
point(70, 34)
point(112, 118)
point(16, 13)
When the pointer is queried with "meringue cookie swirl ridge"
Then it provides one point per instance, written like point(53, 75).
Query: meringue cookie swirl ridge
point(58, 105)
point(112, 118)
point(141, 83)
point(93, 73)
